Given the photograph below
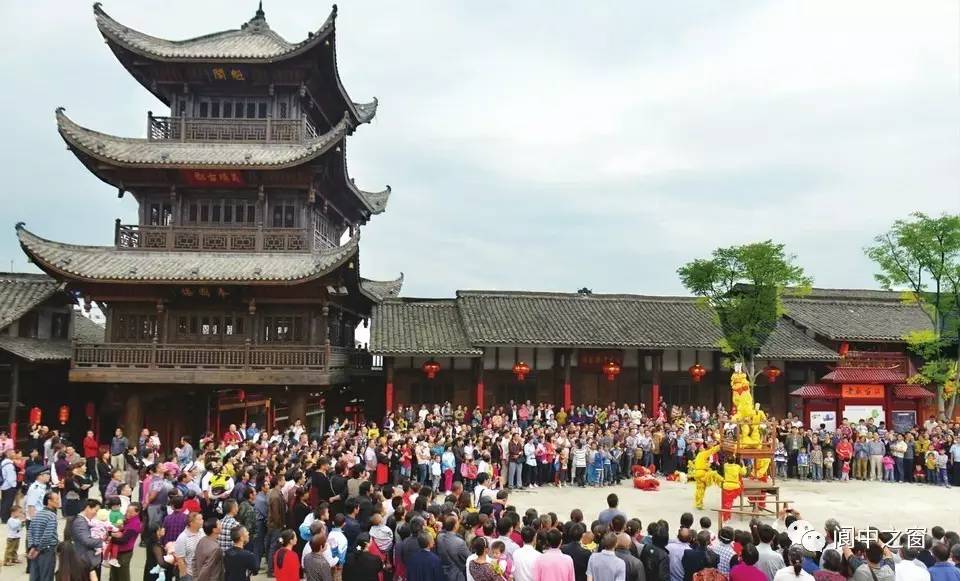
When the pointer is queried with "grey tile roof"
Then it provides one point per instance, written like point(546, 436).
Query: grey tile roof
point(376, 201)
point(379, 290)
point(137, 152)
point(568, 320)
point(254, 41)
point(574, 320)
point(789, 342)
point(20, 292)
point(85, 330)
point(106, 263)
point(858, 320)
point(419, 327)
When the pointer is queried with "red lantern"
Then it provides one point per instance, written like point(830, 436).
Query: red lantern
point(431, 369)
point(521, 369)
point(697, 372)
point(611, 369)
point(844, 349)
point(63, 414)
point(36, 415)
point(241, 395)
point(772, 373)
point(90, 410)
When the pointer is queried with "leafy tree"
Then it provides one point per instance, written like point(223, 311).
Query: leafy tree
point(744, 285)
point(922, 253)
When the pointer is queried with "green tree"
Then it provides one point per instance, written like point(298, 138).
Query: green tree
point(744, 286)
point(922, 253)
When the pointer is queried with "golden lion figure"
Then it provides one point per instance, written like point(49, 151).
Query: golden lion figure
point(749, 418)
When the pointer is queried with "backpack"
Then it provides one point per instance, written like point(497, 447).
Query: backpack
point(709, 574)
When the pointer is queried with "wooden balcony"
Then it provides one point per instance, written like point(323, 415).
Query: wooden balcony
point(241, 364)
point(201, 129)
point(257, 239)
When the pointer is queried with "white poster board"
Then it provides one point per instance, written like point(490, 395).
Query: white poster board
point(855, 413)
point(827, 418)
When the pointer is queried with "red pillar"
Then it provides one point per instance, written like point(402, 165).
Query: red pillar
point(567, 396)
point(480, 394)
point(655, 396)
point(657, 364)
point(388, 364)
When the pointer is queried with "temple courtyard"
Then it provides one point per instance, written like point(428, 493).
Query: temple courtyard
point(888, 506)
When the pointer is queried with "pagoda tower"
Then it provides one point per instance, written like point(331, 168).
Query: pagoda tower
point(238, 288)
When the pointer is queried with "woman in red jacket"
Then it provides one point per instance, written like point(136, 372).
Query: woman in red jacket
point(286, 562)
point(91, 450)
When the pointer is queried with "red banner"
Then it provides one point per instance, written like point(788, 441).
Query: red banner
point(857, 391)
point(211, 178)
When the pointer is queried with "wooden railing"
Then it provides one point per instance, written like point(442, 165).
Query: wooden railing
point(266, 130)
point(249, 356)
point(257, 239)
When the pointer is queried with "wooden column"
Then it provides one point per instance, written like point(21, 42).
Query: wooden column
point(567, 388)
point(14, 397)
point(298, 407)
point(388, 371)
point(133, 414)
point(655, 388)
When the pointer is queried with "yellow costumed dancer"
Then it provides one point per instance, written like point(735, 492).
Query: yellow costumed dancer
point(749, 418)
point(703, 475)
point(733, 474)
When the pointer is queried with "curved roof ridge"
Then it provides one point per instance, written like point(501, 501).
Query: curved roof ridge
point(107, 263)
point(139, 151)
point(243, 43)
point(380, 290)
point(573, 295)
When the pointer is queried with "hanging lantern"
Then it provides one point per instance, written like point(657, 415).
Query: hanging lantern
point(772, 373)
point(241, 395)
point(63, 414)
point(36, 415)
point(521, 369)
point(90, 410)
point(697, 372)
point(611, 369)
point(431, 369)
point(844, 349)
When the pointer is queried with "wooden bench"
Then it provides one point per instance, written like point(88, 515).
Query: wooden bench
point(734, 511)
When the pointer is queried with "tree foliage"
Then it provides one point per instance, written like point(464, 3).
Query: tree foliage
point(744, 285)
point(922, 254)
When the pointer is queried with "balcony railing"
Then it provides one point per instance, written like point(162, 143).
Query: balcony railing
point(258, 239)
point(176, 356)
point(266, 130)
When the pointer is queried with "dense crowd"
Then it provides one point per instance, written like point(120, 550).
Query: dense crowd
point(426, 494)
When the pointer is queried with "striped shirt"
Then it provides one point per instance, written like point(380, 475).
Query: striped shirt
point(43, 530)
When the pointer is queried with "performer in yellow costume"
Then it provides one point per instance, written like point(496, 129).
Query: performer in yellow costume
point(703, 475)
point(749, 418)
point(733, 474)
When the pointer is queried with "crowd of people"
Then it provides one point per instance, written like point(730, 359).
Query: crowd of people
point(426, 494)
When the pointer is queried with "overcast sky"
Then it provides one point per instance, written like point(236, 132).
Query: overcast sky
point(552, 145)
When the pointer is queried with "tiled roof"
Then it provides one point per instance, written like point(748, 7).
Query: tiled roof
point(85, 330)
point(129, 151)
point(414, 327)
point(911, 391)
point(817, 391)
point(20, 292)
point(378, 290)
point(254, 41)
point(871, 375)
point(863, 319)
point(789, 342)
point(855, 294)
point(106, 263)
point(376, 201)
point(574, 320)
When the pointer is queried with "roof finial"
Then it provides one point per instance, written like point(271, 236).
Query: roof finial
point(260, 13)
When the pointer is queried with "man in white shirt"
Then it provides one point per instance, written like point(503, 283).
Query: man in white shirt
point(525, 558)
point(910, 568)
point(770, 561)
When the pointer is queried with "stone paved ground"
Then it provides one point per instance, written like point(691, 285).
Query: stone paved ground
point(852, 503)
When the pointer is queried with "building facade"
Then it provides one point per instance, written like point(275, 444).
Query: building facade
point(238, 287)
point(491, 347)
